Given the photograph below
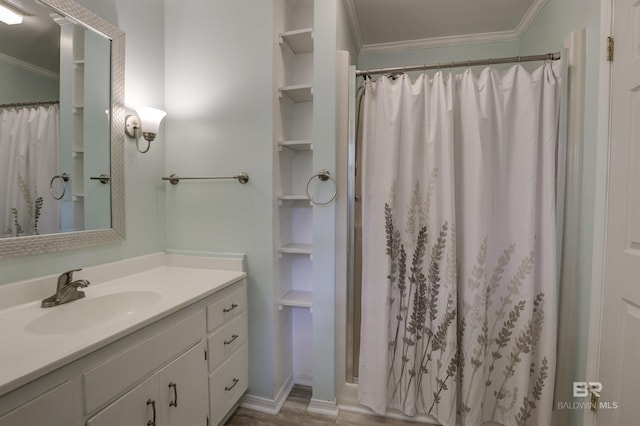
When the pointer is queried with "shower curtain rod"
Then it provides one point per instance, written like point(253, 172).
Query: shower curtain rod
point(469, 63)
point(24, 104)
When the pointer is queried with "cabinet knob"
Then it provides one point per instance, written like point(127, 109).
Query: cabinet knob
point(174, 403)
point(152, 403)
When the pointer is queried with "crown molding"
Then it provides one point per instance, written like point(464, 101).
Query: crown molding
point(29, 67)
point(446, 41)
point(528, 17)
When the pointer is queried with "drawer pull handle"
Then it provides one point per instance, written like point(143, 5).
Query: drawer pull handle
point(235, 382)
point(153, 407)
point(233, 306)
point(233, 338)
point(174, 403)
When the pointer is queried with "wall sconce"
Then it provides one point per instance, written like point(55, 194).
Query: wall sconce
point(10, 14)
point(146, 123)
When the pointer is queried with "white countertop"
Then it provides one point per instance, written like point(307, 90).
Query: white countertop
point(27, 352)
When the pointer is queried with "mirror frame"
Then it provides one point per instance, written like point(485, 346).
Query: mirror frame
point(48, 243)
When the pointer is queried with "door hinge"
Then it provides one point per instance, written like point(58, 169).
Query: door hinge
point(610, 44)
point(205, 354)
point(208, 420)
point(594, 402)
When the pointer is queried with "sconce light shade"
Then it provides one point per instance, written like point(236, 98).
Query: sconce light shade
point(147, 123)
point(150, 118)
point(10, 15)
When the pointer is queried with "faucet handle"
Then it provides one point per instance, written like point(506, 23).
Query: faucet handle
point(66, 277)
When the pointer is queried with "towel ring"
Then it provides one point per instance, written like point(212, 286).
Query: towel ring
point(64, 178)
point(323, 175)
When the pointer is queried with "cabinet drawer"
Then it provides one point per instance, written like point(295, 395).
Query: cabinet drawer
point(107, 380)
point(53, 408)
point(226, 341)
point(227, 384)
point(228, 307)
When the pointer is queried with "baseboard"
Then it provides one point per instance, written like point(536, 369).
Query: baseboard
point(265, 405)
point(392, 414)
point(327, 408)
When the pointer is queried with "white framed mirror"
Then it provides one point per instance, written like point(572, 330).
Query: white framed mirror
point(85, 187)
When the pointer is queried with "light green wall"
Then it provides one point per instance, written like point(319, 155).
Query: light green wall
point(143, 23)
point(219, 83)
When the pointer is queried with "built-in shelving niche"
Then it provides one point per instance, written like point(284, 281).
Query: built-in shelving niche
point(293, 127)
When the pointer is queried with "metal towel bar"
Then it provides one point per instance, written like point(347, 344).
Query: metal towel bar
point(242, 177)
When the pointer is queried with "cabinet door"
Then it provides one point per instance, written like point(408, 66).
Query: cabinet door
point(183, 389)
point(135, 408)
point(53, 408)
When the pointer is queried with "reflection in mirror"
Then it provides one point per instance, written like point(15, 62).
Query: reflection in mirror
point(61, 129)
point(54, 125)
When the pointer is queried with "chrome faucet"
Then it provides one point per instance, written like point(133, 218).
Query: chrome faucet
point(66, 291)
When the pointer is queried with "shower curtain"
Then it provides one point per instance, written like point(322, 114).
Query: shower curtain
point(459, 282)
point(28, 161)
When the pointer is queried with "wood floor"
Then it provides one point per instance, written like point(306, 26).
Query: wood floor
point(294, 413)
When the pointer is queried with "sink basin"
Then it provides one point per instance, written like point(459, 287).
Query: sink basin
point(90, 311)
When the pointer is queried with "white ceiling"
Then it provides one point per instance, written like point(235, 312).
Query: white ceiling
point(380, 25)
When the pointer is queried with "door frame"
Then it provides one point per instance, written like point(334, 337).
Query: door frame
point(603, 143)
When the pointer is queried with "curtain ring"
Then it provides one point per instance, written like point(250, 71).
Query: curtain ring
point(323, 175)
point(490, 61)
point(64, 178)
point(519, 59)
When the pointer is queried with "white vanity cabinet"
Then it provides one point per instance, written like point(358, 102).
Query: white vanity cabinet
point(174, 396)
point(170, 370)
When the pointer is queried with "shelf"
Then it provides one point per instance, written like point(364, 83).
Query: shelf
point(296, 145)
point(293, 198)
point(300, 41)
point(296, 249)
point(297, 92)
point(299, 299)
point(78, 196)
